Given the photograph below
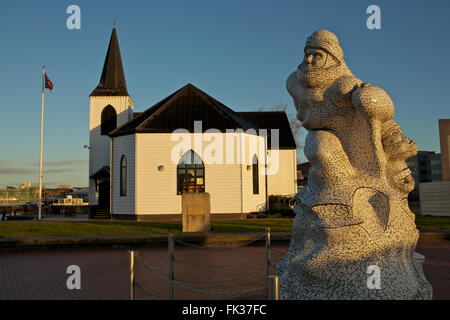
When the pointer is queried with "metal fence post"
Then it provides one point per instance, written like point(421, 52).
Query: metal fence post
point(268, 252)
point(171, 266)
point(273, 287)
point(131, 275)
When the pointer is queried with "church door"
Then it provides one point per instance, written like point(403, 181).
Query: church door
point(103, 195)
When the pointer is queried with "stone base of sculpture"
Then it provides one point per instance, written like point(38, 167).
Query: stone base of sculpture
point(333, 263)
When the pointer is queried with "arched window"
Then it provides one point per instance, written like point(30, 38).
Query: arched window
point(123, 177)
point(190, 174)
point(255, 174)
point(109, 120)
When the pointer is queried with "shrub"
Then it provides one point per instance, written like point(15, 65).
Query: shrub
point(281, 205)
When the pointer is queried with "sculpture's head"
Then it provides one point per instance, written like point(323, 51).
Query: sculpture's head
point(398, 148)
point(323, 61)
point(396, 145)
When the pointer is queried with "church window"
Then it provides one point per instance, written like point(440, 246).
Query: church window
point(190, 174)
point(123, 177)
point(255, 175)
point(109, 120)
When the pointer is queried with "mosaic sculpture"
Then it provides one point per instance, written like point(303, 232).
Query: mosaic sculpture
point(352, 218)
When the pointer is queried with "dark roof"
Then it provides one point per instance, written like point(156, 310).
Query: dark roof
point(112, 82)
point(180, 110)
point(272, 120)
point(102, 173)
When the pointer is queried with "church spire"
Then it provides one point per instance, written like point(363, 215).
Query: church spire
point(112, 82)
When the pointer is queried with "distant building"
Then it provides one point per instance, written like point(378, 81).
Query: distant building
point(434, 186)
point(63, 186)
point(51, 195)
point(444, 137)
point(26, 185)
point(6, 199)
point(21, 195)
point(69, 201)
point(80, 193)
point(425, 167)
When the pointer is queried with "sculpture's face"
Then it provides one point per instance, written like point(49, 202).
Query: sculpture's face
point(396, 145)
point(398, 148)
point(316, 68)
point(315, 58)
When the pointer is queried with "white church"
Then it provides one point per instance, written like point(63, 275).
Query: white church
point(141, 164)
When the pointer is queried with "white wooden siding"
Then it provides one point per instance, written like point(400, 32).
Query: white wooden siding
point(99, 152)
point(123, 146)
point(156, 191)
point(284, 182)
point(223, 183)
point(254, 202)
point(122, 105)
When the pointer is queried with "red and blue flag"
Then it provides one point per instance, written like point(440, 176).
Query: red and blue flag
point(48, 83)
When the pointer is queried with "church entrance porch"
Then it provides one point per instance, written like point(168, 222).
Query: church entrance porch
point(102, 181)
point(103, 195)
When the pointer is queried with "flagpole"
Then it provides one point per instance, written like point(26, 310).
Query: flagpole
point(40, 157)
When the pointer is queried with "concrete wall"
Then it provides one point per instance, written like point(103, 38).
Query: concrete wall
point(435, 198)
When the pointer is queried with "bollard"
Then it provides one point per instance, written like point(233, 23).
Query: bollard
point(273, 288)
point(131, 275)
point(268, 252)
point(171, 266)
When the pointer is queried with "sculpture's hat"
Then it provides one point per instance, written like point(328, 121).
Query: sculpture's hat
point(325, 40)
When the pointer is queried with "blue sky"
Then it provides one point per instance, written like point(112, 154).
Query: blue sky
point(240, 52)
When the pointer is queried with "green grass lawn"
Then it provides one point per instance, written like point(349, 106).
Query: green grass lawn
point(432, 223)
point(16, 229)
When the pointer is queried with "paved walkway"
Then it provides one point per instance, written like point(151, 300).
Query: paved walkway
point(42, 275)
point(437, 267)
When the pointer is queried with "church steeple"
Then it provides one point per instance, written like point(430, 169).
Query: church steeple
point(112, 82)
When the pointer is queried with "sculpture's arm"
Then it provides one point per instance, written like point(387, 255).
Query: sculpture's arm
point(373, 101)
point(349, 91)
point(293, 88)
point(291, 83)
point(340, 92)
